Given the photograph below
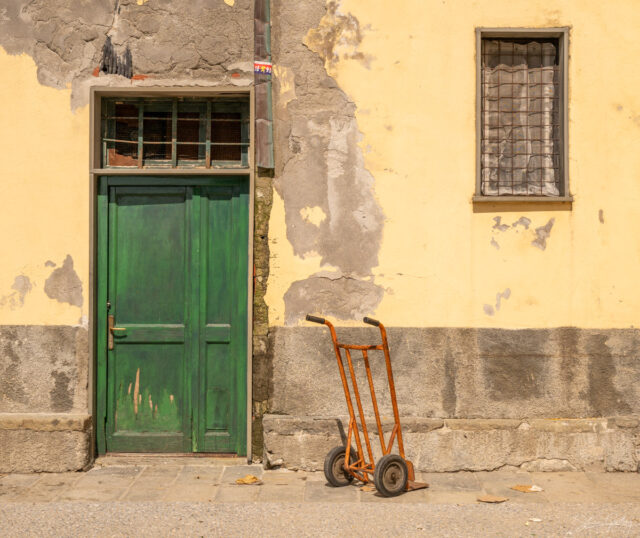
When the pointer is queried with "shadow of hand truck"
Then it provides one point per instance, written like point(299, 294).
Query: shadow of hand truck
point(393, 474)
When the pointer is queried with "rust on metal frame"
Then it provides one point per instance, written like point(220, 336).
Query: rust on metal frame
point(363, 469)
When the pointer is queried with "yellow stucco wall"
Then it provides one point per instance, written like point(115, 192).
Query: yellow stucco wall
point(416, 110)
point(44, 191)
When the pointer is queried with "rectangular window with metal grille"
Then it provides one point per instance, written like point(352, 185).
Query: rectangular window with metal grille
point(522, 130)
point(175, 132)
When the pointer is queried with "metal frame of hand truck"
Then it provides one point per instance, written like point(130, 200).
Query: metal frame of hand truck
point(363, 469)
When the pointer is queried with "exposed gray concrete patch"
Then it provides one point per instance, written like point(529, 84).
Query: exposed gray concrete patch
point(43, 369)
point(496, 373)
point(343, 298)
point(542, 234)
point(488, 309)
point(498, 225)
point(320, 163)
point(494, 243)
point(522, 221)
point(181, 40)
point(21, 286)
point(502, 295)
point(64, 284)
point(601, 216)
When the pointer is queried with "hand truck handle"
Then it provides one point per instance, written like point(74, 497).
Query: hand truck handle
point(315, 319)
point(371, 321)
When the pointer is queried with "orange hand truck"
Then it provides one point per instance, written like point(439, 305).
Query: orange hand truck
point(393, 473)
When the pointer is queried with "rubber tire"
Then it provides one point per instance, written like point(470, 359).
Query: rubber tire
point(338, 478)
point(385, 476)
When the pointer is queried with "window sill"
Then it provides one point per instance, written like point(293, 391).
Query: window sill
point(522, 199)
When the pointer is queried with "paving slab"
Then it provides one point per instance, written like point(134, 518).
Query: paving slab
point(617, 487)
point(50, 487)
point(210, 474)
point(237, 493)
point(110, 477)
point(281, 493)
point(191, 492)
point(500, 483)
point(461, 481)
point(322, 492)
point(568, 487)
point(232, 473)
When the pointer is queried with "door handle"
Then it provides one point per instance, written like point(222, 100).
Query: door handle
point(111, 322)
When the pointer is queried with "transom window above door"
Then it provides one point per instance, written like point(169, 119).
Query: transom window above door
point(177, 132)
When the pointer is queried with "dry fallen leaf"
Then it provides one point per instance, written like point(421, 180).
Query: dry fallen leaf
point(492, 499)
point(367, 488)
point(526, 488)
point(249, 480)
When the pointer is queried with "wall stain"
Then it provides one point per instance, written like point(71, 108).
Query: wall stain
point(11, 387)
point(64, 284)
point(604, 398)
point(61, 394)
point(542, 234)
point(488, 309)
point(601, 216)
point(494, 243)
point(49, 263)
point(503, 295)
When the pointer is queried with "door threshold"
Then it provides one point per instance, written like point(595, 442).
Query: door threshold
point(161, 459)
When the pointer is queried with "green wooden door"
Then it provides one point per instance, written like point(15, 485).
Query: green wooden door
point(174, 376)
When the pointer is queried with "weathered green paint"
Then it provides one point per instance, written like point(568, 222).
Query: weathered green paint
point(177, 271)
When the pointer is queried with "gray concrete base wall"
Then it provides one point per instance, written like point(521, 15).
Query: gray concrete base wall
point(39, 442)
point(442, 445)
point(476, 399)
point(44, 420)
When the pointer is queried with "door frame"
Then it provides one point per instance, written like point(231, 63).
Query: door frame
point(98, 211)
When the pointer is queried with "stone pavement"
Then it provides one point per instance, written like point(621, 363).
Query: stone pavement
point(187, 479)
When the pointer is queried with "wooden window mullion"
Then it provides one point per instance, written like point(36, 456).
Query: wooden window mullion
point(208, 135)
point(174, 134)
point(140, 132)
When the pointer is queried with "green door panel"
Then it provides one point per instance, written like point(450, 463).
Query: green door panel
point(175, 279)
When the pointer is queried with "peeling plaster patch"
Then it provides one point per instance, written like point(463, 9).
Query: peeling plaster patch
point(314, 215)
point(488, 310)
point(494, 243)
point(286, 79)
point(143, 2)
point(522, 221)
point(498, 226)
point(337, 37)
point(64, 284)
point(49, 263)
point(504, 295)
point(342, 298)
point(228, 2)
point(22, 285)
point(542, 234)
point(601, 216)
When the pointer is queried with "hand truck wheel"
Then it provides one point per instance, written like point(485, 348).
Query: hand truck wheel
point(334, 467)
point(391, 475)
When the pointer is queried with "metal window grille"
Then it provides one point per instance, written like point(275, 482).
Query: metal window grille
point(521, 115)
point(175, 133)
